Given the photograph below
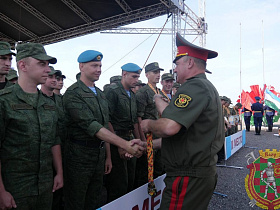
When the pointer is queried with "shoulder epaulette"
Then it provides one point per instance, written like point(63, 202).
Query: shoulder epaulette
point(114, 86)
point(6, 90)
point(74, 86)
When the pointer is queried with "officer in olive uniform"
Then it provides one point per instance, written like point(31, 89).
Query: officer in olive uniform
point(258, 115)
point(28, 133)
point(191, 139)
point(123, 122)
point(87, 115)
point(5, 64)
point(12, 76)
point(146, 109)
point(269, 114)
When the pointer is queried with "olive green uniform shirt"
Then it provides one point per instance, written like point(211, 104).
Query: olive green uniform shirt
point(28, 130)
point(86, 113)
point(197, 107)
point(146, 108)
point(123, 109)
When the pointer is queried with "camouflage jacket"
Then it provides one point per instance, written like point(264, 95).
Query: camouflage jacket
point(146, 108)
point(86, 113)
point(28, 130)
point(123, 109)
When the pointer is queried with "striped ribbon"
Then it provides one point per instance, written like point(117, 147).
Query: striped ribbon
point(152, 191)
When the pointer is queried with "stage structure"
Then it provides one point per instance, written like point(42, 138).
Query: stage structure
point(53, 21)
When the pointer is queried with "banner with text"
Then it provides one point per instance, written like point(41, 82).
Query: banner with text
point(234, 142)
point(139, 198)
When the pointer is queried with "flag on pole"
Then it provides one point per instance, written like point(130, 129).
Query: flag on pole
point(272, 100)
point(245, 98)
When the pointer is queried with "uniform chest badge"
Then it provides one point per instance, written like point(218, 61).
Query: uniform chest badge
point(182, 101)
point(263, 183)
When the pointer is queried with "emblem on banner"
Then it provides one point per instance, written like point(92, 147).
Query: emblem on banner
point(263, 182)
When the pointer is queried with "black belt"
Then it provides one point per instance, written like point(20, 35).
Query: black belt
point(124, 132)
point(90, 144)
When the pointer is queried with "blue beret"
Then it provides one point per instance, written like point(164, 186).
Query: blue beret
point(257, 98)
point(90, 55)
point(131, 67)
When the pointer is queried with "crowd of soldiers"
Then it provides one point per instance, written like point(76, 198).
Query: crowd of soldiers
point(48, 157)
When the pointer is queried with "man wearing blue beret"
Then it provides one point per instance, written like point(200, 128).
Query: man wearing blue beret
point(258, 115)
point(87, 112)
point(123, 122)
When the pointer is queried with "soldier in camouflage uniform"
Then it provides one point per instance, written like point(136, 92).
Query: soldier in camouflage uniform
point(87, 116)
point(167, 81)
point(5, 64)
point(60, 82)
point(12, 76)
point(146, 109)
point(123, 122)
point(28, 133)
point(48, 89)
point(235, 113)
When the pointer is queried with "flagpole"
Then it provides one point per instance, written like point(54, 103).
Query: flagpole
point(263, 52)
point(240, 78)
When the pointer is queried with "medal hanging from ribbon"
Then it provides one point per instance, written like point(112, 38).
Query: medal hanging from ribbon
point(150, 157)
point(152, 191)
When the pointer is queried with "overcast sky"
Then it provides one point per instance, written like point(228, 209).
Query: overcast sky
point(260, 21)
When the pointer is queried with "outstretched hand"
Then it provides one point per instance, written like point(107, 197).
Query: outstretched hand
point(135, 149)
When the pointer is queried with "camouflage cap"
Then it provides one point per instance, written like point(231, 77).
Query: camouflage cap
point(167, 76)
point(12, 74)
point(176, 85)
point(239, 105)
point(33, 50)
point(5, 49)
point(152, 67)
point(224, 98)
point(59, 74)
point(140, 83)
point(116, 78)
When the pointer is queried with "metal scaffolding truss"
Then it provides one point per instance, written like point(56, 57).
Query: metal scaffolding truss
point(165, 31)
point(124, 6)
point(181, 13)
point(74, 7)
point(38, 15)
point(17, 26)
point(111, 22)
point(48, 22)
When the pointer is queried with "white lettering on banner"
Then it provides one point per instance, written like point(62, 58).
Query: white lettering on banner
point(139, 198)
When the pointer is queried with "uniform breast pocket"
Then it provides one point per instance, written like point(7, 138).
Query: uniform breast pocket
point(22, 124)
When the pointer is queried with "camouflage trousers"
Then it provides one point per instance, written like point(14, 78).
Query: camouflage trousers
point(84, 168)
point(42, 201)
point(121, 179)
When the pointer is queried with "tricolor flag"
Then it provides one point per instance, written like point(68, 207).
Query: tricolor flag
point(271, 100)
